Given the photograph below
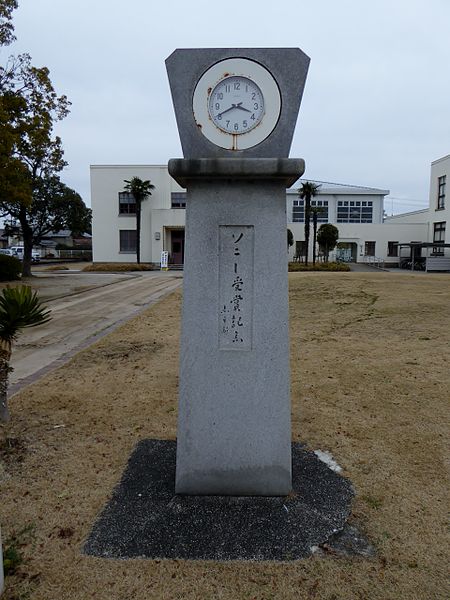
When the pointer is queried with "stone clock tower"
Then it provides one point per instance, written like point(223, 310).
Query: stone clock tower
point(236, 111)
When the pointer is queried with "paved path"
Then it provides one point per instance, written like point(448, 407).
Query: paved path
point(363, 268)
point(81, 318)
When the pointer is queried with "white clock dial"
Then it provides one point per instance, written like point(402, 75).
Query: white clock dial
point(236, 105)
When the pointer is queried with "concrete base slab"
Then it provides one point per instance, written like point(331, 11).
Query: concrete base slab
point(146, 519)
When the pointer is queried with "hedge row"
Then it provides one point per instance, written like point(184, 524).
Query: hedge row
point(319, 266)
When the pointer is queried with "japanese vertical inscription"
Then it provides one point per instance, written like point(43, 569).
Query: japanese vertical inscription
point(236, 251)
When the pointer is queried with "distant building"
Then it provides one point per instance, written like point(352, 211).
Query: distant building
point(357, 212)
point(435, 235)
point(439, 210)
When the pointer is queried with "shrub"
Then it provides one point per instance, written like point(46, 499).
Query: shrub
point(330, 266)
point(114, 267)
point(10, 268)
point(56, 268)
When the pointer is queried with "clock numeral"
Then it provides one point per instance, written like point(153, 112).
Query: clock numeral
point(228, 123)
point(244, 123)
point(237, 85)
point(253, 117)
point(256, 106)
point(217, 105)
point(219, 117)
point(254, 96)
point(219, 96)
point(227, 87)
point(236, 126)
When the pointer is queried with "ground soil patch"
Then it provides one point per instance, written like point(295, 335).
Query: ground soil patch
point(370, 384)
point(58, 284)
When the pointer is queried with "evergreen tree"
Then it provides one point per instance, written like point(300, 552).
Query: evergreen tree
point(327, 238)
point(29, 152)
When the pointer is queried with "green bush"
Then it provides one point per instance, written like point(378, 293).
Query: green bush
point(10, 268)
point(321, 266)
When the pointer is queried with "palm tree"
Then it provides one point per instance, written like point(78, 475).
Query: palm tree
point(306, 192)
point(315, 211)
point(140, 190)
point(19, 308)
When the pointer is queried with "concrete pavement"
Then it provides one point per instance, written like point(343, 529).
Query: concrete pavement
point(82, 317)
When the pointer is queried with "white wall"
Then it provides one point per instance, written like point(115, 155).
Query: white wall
point(106, 183)
point(418, 216)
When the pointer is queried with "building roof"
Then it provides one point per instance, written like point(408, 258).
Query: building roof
point(440, 159)
point(65, 233)
point(328, 187)
point(406, 214)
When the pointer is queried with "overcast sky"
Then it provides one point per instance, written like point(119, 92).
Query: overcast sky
point(376, 107)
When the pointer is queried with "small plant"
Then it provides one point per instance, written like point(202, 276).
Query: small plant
point(10, 268)
point(20, 307)
point(11, 559)
point(12, 555)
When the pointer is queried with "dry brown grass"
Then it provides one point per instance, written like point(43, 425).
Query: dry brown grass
point(370, 383)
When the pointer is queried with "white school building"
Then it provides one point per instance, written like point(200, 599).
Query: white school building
point(365, 235)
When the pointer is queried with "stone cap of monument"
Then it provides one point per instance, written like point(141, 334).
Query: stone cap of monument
point(285, 170)
point(289, 67)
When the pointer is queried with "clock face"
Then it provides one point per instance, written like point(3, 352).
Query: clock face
point(236, 105)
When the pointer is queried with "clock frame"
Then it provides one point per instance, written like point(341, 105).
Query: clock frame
point(235, 70)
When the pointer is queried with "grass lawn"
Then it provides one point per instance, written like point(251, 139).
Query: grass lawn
point(370, 384)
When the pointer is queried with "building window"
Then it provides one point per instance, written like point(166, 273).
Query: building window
point(439, 236)
point(178, 199)
point(300, 249)
point(354, 211)
point(392, 248)
point(369, 248)
point(127, 240)
point(298, 210)
point(127, 204)
point(441, 192)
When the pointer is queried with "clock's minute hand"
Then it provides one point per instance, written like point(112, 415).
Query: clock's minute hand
point(242, 108)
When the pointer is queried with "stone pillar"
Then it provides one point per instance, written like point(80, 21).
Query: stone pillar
point(234, 432)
